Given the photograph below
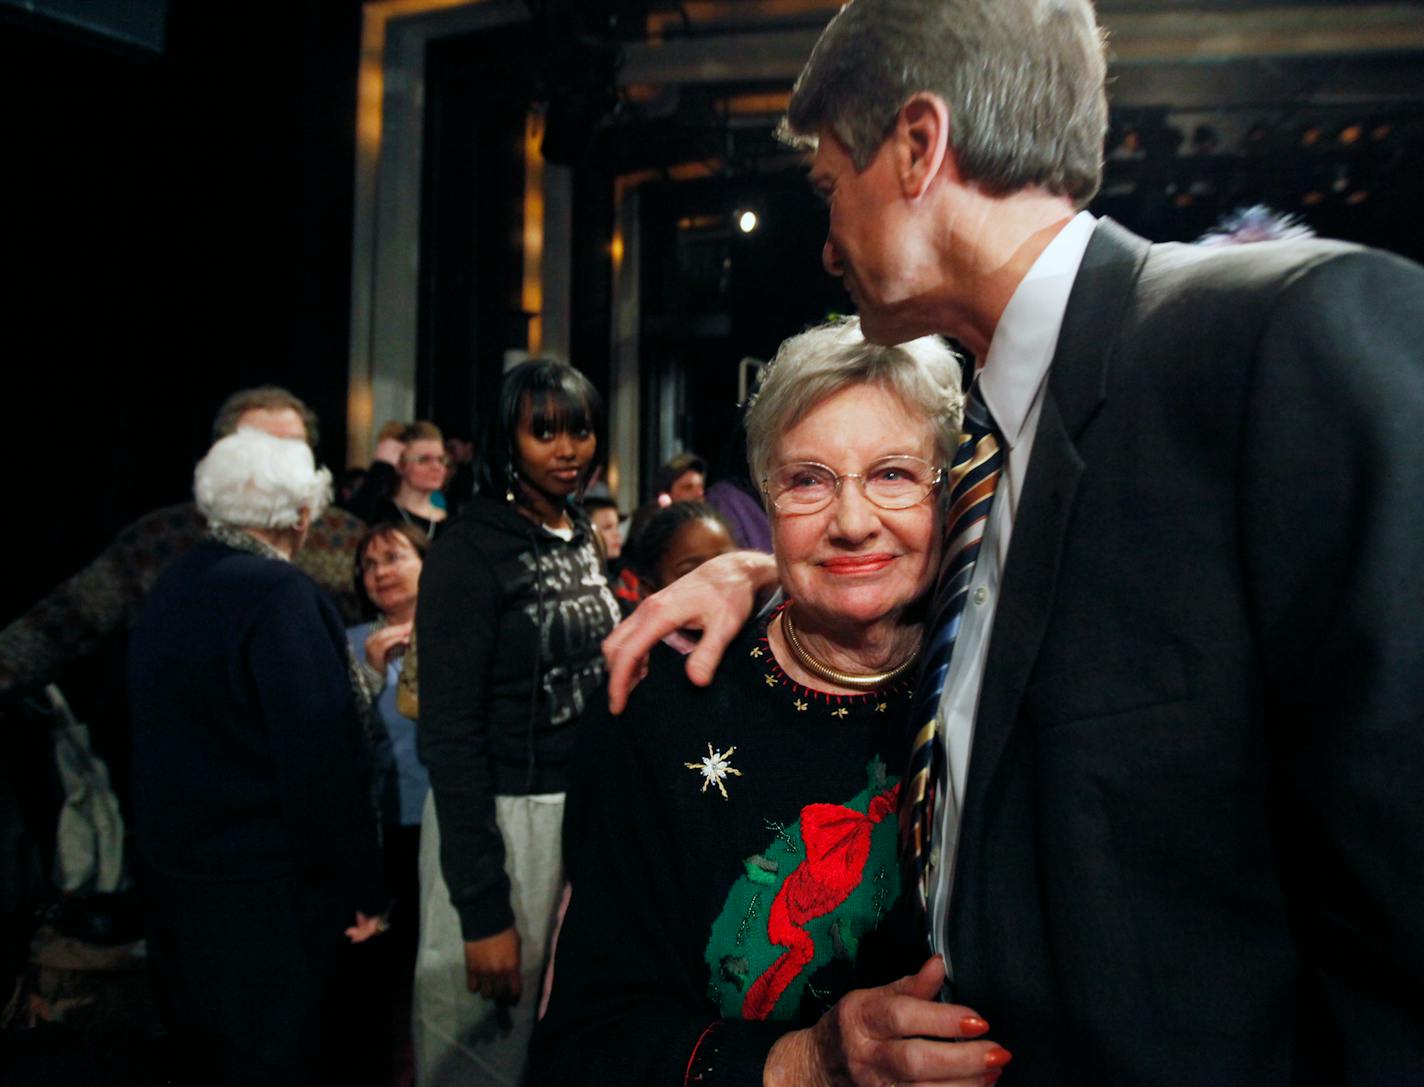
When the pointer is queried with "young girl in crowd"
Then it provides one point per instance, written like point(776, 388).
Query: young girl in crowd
point(677, 540)
point(513, 609)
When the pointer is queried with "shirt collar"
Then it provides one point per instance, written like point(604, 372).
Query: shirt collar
point(1027, 334)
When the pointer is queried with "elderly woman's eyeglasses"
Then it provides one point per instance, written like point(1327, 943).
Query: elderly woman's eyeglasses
point(892, 483)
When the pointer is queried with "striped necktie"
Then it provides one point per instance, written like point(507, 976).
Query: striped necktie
point(973, 477)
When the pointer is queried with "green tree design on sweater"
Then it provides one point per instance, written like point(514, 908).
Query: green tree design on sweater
point(805, 901)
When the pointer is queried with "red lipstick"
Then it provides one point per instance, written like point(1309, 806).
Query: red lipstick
point(849, 565)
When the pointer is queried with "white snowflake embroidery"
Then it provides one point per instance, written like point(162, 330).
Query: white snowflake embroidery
point(714, 767)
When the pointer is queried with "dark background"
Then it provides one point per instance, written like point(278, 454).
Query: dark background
point(177, 190)
point(177, 226)
point(178, 218)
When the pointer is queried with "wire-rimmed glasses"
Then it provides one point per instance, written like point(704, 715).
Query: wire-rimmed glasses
point(892, 483)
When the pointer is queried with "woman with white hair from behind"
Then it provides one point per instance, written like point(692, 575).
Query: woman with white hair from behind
point(253, 811)
point(264, 487)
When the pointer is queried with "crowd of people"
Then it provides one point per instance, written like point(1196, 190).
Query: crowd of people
point(1044, 706)
point(284, 748)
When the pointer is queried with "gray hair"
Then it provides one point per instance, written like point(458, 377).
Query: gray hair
point(821, 361)
point(262, 398)
point(1024, 81)
point(254, 480)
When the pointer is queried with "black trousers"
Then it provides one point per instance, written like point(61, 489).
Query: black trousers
point(244, 971)
point(375, 979)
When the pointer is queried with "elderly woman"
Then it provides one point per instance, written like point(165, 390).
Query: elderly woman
point(734, 870)
point(254, 816)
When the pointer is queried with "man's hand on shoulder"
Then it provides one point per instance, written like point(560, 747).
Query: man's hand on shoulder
point(716, 598)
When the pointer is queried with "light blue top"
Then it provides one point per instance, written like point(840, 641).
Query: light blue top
point(411, 780)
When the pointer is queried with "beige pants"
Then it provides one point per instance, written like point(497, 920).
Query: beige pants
point(461, 1039)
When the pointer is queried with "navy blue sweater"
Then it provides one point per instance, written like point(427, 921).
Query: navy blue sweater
point(249, 758)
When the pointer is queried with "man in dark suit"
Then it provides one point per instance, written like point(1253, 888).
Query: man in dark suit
point(1179, 738)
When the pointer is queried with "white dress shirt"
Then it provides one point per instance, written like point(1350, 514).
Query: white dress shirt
point(1012, 377)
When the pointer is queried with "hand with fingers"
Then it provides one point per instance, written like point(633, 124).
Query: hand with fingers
point(716, 598)
point(898, 1035)
point(492, 966)
point(366, 927)
point(389, 450)
point(380, 644)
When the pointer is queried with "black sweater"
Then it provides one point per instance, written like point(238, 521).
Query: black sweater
point(509, 630)
point(249, 758)
point(375, 503)
point(702, 927)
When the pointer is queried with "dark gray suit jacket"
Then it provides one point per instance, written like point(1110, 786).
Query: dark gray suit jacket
point(1192, 847)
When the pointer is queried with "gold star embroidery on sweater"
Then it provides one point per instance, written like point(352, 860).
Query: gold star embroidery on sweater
point(715, 767)
point(771, 679)
point(880, 707)
point(842, 712)
point(802, 706)
point(757, 652)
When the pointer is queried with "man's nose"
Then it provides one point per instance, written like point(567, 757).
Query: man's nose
point(831, 258)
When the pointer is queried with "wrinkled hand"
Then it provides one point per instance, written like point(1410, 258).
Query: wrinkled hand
point(380, 643)
point(389, 450)
point(716, 599)
point(366, 927)
point(492, 966)
point(894, 1034)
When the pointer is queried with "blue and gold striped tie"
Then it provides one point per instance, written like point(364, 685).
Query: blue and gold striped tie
point(973, 477)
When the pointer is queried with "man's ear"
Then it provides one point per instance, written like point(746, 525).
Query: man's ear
point(922, 142)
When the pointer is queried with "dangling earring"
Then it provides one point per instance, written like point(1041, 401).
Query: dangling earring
point(509, 485)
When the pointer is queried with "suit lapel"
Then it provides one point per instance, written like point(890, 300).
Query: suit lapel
point(1077, 387)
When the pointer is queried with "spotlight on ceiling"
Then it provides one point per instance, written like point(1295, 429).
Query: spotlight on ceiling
point(746, 221)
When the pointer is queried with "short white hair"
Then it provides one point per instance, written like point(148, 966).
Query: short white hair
point(252, 479)
point(810, 367)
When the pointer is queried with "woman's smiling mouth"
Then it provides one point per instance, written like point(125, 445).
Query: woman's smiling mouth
point(857, 564)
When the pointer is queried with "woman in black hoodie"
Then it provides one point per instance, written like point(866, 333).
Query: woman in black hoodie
point(513, 610)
